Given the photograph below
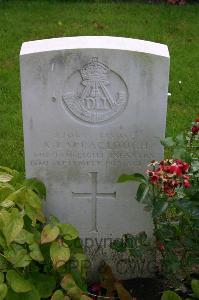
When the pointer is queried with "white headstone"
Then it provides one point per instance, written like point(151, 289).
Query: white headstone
point(93, 108)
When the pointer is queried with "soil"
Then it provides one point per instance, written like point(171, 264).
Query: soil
point(142, 288)
point(145, 288)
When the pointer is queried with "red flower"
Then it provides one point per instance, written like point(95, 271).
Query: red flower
point(169, 190)
point(195, 129)
point(154, 178)
point(175, 183)
point(197, 120)
point(170, 174)
point(186, 184)
point(150, 173)
point(160, 246)
point(175, 169)
point(185, 167)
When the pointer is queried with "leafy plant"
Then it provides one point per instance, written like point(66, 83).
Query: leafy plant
point(139, 247)
point(36, 256)
point(170, 191)
point(170, 295)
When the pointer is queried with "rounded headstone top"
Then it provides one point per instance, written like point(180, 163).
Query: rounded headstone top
point(94, 42)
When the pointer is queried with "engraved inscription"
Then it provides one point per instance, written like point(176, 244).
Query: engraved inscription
point(102, 94)
point(108, 150)
point(94, 195)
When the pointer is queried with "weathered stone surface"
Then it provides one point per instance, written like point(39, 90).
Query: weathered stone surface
point(93, 108)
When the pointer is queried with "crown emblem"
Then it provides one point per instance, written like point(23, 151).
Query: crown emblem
point(94, 71)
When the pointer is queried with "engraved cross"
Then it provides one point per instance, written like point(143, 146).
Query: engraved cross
point(94, 195)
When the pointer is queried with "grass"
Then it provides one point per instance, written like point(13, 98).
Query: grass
point(21, 21)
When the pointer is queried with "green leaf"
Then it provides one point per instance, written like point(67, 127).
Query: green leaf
point(37, 186)
point(81, 265)
point(168, 142)
point(26, 199)
point(67, 282)
point(45, 284)
point(3, 290)
point(32, 295)
point(34, 214)
point(33, 206)
point(71, 287)
point(59, 253)
point(131, 177)
point(169, 295)
point(49, 234)
point(7, 203)
point(142, 237)
point(142, 192)
point(17, 256)
point(18, 197)
point(80, 280)
point(37, 235)
point(58, 295)
point(68, 231)
point(12, 295)
point(1, 277)
point(4, 177)
point(195, 287)
point(159, 208)
point(5, 190)
point(17, 282)
point(180, 139)
point(75, 246)
point(118, 245)
point(24, 237)
point(53, 220)
point(74, 293)
point(3, 264)
point(35, 252)
point(3, 243)
point(12, 224)
point(148, 207)
point(179, 153)
point(9, 171)
point(84, 297)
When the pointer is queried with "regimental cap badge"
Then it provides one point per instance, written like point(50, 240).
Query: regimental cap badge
point(101, 95)
point(94, 71)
